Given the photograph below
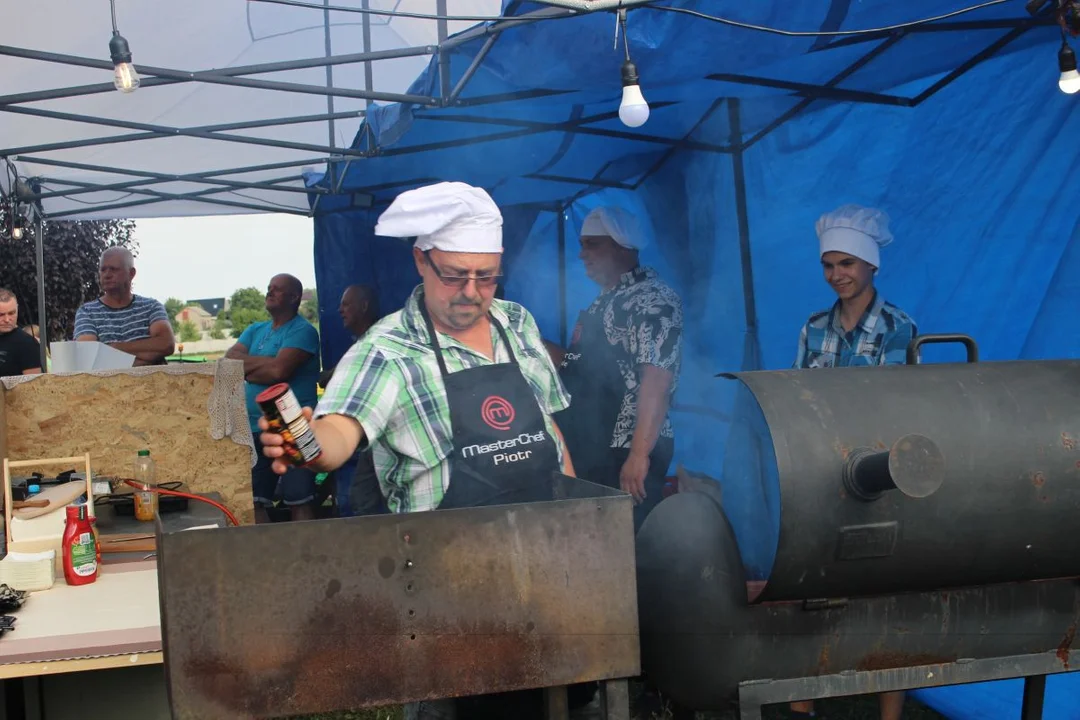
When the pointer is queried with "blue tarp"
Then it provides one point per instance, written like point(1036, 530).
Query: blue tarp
point(976, 176)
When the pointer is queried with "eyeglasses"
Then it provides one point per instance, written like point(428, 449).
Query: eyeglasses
point(460, 281)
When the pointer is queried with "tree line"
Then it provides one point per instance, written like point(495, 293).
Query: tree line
point(72, 253)
point(246, 306)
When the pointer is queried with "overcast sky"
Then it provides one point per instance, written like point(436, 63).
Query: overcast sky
point(204, 257)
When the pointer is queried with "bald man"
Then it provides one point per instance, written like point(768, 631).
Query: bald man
point(130, 323)
point(283, 349)
point(357, 486)
point(359, 309)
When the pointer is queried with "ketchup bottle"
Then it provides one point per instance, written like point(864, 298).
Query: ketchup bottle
point(79, 547)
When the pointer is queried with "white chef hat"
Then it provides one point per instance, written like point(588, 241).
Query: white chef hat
point(855, 230)
point(448, 216)
point(616, 223)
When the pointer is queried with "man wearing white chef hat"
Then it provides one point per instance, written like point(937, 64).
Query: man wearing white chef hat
point(622, 365)
point(861, 328)
point(454, 393)
point(453, 371)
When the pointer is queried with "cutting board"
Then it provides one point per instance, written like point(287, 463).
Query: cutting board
point(58, 496)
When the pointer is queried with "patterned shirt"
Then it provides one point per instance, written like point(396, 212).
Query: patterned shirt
point(114, 325)
point(880, 338)
point(643, 320)
point(390, 382)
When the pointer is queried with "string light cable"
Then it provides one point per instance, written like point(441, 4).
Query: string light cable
point(386, 13)
point(662, 8)
point(825, 33)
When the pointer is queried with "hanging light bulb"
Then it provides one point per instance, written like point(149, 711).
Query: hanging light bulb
point(633, 110)
point(17, 233)
point(125, 79)
point(1069, 82)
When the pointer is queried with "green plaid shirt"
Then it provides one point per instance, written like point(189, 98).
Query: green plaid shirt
point(389, 381)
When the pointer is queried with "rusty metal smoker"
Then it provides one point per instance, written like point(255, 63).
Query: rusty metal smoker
point(926, 535)
point(294, 618)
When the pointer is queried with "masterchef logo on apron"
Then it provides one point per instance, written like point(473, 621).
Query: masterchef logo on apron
point(503, 452)
point(497, 413)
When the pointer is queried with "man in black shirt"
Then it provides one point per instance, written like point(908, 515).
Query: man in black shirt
point(20, 353)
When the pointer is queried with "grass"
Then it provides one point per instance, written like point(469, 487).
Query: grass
point(864, 707)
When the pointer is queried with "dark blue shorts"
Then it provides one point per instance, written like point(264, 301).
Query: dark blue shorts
point(296, 487)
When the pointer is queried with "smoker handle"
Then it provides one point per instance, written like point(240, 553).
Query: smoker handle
point(966, 340)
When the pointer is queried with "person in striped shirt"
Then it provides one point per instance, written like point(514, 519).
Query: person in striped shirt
point(130, 323)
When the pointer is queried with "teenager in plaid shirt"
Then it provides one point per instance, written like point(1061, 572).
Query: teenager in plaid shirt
point(861, 328)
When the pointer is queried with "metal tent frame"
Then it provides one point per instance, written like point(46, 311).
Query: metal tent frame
point(211, 183)
point(139, 182)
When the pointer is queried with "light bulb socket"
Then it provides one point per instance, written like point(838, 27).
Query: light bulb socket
point(119, 50)
point(1066, 58)
point(630, 75)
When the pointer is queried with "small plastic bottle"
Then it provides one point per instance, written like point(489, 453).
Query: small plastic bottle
point(146, 500)
point(79, 548)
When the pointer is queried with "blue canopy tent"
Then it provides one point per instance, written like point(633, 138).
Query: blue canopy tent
point(956, 128)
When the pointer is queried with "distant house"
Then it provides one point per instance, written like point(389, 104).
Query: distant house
point(197, 315)
point(211, 305)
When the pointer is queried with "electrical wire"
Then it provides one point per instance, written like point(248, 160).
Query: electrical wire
point(174, 493)
point(112, 6)
point(385, 13)
point(621, 23)
point(73, 199)
point(659, 8)
point(823, 33)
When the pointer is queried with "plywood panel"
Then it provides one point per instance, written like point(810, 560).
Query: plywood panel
point(114, 416)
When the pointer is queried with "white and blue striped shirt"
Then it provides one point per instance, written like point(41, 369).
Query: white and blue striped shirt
point(113, 325)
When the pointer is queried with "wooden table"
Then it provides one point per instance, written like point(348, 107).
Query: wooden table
point(112, 625)
point(113, 622)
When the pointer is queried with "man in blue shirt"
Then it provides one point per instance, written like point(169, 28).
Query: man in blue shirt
point(283, 349)
point(861, 328)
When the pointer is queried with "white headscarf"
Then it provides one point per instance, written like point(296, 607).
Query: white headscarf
point(855, 230)
point(618, 224)
point(448, 216)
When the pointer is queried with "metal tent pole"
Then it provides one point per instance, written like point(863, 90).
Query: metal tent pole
point(43, 333)
point(329, 70)
point(751, 348)
point(562, 275)
point(443, 55)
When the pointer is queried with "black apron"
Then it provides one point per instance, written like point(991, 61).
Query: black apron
point(590, 373)
point(502, 452)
